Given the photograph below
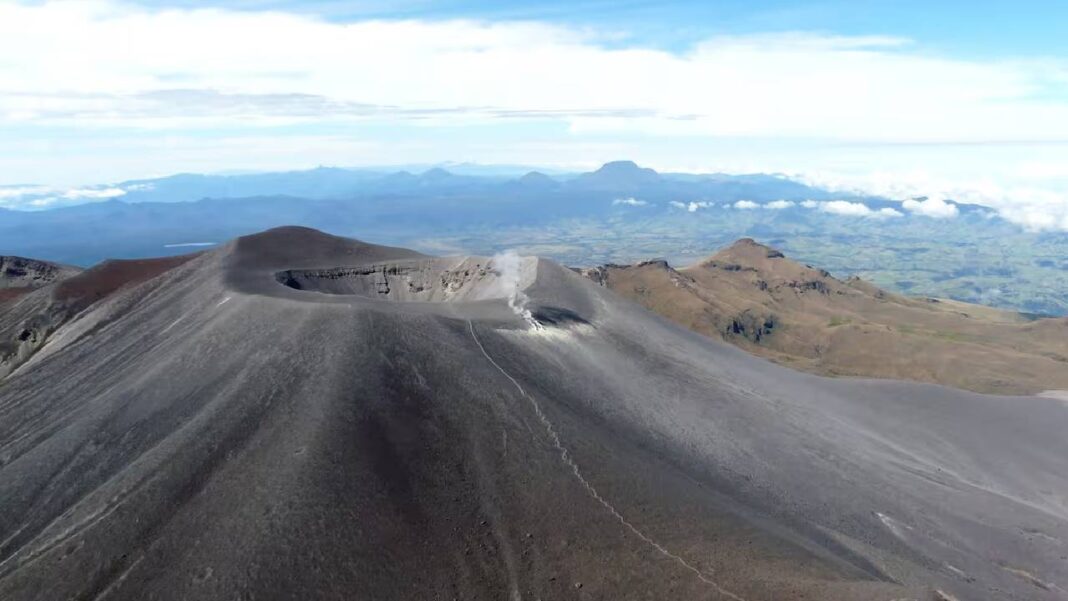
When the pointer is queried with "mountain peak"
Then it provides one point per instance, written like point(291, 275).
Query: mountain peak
point(753, 248)
point(536, 178)
point(624, 168)
point(746, 251)
point(619, 175)
point(437, 173)
point(764, 262)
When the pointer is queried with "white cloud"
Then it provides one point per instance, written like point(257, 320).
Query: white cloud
point(779, 204)
point(112, 64)
point(931, 207)
point(809, 204)
point(1031, 207)
point(93, 193)
point(745, 204)
point(854, 209)
point(630, 202)
point(43, 197)
point(693, 205)
point(14, 193)
point(845, 207)
point(1034, 209)
point(104, 72)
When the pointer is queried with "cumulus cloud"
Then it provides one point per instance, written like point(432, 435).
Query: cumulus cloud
point(931, 207)
point(693, 205)
point(778, 205)
point(845, 207)
point(809, 204)
point(745, 204)
point(852, 209)
point(630, 202)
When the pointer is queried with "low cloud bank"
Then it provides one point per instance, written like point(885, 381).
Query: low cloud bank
point(1038, 206)
point(43, 197)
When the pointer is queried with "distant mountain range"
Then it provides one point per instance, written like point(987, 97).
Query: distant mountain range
point(152, 216)
point(330, 183)
point(620, 212)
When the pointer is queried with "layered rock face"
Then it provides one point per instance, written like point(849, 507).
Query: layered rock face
point(419, 280)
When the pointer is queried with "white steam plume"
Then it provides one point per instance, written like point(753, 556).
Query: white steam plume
point(507, 266)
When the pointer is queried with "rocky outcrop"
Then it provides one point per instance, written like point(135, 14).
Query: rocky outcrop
point(750, 325)
point(20, 272)
point(801, 287)
point(602, 274)
point(598, 274)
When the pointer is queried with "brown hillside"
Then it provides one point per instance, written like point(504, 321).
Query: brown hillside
point(31, 315)
point(753, 296)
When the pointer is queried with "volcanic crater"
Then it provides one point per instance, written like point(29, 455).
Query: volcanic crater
point(448, 279)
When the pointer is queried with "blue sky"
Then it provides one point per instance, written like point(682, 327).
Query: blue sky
point(954, 99)
point(976, 28)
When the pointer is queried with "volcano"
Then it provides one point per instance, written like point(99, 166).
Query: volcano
point(296, 415)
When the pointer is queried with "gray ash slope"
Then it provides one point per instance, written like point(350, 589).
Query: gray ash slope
point(213, 433)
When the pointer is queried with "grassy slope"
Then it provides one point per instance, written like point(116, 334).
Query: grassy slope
point(753, 296)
